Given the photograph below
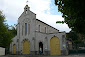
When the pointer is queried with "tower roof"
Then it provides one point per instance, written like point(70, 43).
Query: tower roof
point(26, 6)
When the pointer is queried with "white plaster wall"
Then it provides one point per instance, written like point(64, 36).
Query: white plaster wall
point(42, 27)
point(28, 18)
point(52, 30)
point(42, 36)
point(35, 36)
point(14, 41)
point(2, 51)
point(59, 35)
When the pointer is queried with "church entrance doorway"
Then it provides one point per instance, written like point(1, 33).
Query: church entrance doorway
point(14, 49)
point(26, 47)
point(55, 46)
point(40, 47)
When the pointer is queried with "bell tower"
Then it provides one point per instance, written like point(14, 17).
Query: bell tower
point(26, 8)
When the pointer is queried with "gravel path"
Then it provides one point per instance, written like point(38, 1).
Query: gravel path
point(80, 55)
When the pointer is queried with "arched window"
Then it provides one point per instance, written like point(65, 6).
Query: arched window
point(28, 29)
point(39, 28)
point(25, 28)
point(22, 29)
point(45, 30)
point(26, 11)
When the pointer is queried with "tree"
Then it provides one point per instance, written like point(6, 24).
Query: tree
point(3, 28)
point(6, 34)
point(73, 12)
point(74, 37)
point(13, 30)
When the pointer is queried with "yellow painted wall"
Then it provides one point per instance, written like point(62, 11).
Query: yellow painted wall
point(26, 47)
point(14, 49)
point(55, 46)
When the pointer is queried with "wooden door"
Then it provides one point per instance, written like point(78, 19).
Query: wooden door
point(55, 46)
point(14, 49)
point(26, 47)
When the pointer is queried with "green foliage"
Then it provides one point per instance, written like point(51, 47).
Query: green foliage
point(60, 22)
point(72, 35)
point(13, 31)
point(76, 38)
point(74, 14)
point(3, 28)
point(5, 33)
point(77, 41)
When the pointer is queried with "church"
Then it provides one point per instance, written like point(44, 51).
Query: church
point(34, 35)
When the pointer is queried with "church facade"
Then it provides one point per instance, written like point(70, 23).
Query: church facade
point(33, 34)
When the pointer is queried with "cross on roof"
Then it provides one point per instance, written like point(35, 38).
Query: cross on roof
point(27, 2)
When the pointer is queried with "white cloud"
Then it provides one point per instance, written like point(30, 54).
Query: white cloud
point(51, 20)
point(13, 9)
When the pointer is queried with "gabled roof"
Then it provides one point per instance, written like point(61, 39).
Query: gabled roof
point(47, 24)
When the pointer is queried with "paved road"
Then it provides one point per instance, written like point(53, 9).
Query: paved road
point(81, 55)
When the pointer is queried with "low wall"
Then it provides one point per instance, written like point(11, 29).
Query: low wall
point(2, 51)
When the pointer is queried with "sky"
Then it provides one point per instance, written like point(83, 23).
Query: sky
point(45, 11)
